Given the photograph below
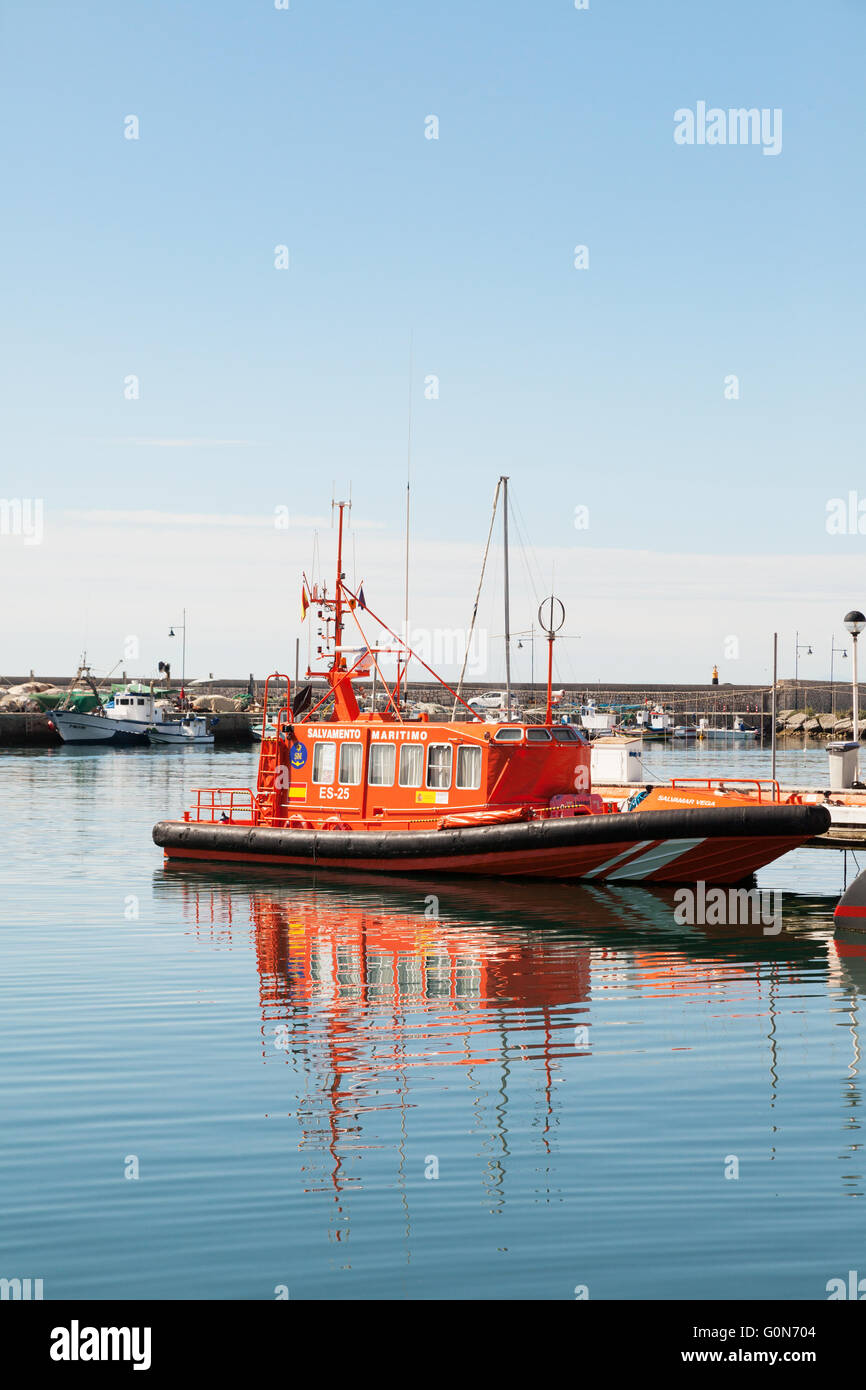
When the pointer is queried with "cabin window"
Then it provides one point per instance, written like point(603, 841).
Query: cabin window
point(350, 764)
point(508, 736)
point(324, 761)
point(563, 733)
point(469, 767)
point(383, 758)
point(439, 757)
point(411, 765)
point(141, 702)
point(537, 736)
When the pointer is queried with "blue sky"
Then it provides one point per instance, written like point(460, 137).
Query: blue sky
point(602, 387)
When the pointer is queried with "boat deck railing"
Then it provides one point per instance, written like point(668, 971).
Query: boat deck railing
point(216, 805)
point(767, 788)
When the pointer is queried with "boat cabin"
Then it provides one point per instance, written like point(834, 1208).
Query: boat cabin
point(411, 772)
point(132, 704)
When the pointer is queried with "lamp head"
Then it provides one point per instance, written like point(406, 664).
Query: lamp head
point(854, 622)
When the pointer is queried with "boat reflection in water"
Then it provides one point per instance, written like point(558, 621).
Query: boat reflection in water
point(379, 995)
point(847, 971)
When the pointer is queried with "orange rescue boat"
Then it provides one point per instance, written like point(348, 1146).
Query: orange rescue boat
point(394, 793)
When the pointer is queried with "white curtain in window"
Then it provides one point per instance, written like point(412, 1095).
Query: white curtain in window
point(350, 764)
point(383, 757)
point(411, 765)
point(469, 768)
point(324, 762)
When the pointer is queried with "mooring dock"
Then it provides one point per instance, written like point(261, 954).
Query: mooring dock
point(848, 828)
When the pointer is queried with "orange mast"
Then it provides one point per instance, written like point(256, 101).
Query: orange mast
point(346, 708)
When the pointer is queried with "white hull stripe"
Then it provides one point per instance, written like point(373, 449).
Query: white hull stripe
point(657, 858)
point(632, 849)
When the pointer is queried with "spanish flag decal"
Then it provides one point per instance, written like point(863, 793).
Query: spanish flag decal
point(298, 791)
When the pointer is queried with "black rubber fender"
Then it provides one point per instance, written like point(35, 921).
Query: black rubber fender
point(722, 822)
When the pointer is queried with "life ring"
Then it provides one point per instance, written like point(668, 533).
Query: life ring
point(334, 823)
point(298, 823)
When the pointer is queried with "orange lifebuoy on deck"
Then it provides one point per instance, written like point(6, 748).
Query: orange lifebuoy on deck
point(298, 823)
point(334, 823)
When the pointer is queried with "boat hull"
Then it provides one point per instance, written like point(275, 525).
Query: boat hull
point(173, 740)
point(728, 735)
point(96, 728)
point(719, 845)
point(851, 908)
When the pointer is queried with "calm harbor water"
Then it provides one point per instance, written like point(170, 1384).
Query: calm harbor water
point(359, 1089)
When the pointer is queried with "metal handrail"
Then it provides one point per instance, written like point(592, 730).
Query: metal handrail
point(725, 782)
point(275, 676)
point(240, 799)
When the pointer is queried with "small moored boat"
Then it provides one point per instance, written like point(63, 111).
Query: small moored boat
point(595, 720)
point(739, 732)
point(123, 719)
point(189, 732)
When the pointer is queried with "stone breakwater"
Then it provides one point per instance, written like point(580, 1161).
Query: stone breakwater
point(799, 724)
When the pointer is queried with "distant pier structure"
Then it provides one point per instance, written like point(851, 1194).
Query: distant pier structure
point(804, 708)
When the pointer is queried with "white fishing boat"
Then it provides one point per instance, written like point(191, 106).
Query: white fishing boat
point(738, 733)
point(123, 719)
point(655, 722)
point(595, 720)
point(189, 732)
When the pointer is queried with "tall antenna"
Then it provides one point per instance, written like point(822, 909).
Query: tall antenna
point(408, 501)
point(315, 582)
point(504, 482)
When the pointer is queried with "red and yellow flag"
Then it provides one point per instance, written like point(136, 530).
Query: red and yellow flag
point(305, 602)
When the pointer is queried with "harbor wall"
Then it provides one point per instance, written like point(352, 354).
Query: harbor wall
point(820, 696)
point(23, 730)
point(719, 705)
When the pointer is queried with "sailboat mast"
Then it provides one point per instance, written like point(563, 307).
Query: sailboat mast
point(504, 482)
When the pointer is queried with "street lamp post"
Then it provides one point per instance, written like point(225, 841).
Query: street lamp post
point(854, 623)
point(844, 654)
point(775, 684)
point(171, 633)
point(530, 633)
point(799, 647)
